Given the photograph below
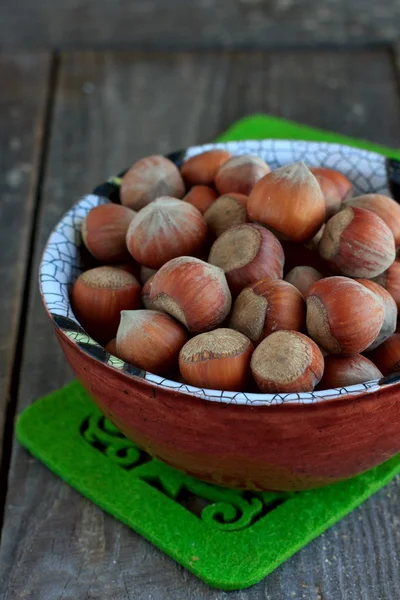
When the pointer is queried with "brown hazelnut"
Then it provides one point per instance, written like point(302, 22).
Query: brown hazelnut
point(201, 197)
point(341, 371)
point(342, 183)
point(390, 281)
point(343, 316)
point(218, 360)
point(386, 208)
point(287, 361)
point(240, 174)
point(333, 200)
point(303, 278)
point(99, 295)
point(148, 179)
point(390, 311)
point(111, 347)
point(290, 201)
point(202, 168)
point(247, 253)
point(358, 242)
point(165, 229)
point(150, 340)
point(334, 186)
point(225, 212)
point(192, 291)
point(104, 231)
point(267, 306)
point(387, 355)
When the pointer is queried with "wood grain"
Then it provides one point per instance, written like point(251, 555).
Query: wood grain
point(111, 108)
point(236, 24)
point(22, 111)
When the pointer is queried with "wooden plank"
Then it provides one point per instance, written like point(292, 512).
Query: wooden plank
point(22, 110)
point(236, 24)
point(340, 91)
point(110, 109)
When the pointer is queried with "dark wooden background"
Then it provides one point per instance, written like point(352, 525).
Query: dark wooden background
point(87, 87)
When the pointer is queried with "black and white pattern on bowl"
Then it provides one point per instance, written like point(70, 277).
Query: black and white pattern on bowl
point(61, 262)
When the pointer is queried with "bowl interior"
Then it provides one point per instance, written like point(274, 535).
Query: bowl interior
point(61, 262)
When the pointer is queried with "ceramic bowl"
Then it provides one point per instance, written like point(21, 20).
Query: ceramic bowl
point(244, 440)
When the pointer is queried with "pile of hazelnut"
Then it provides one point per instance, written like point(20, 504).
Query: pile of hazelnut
point(250, 278)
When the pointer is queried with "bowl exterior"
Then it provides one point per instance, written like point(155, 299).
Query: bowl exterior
point(286, 447)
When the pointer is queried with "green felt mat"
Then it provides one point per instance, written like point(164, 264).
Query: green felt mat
point(228, 538)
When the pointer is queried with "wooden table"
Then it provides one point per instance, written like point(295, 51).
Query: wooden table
point(68, 118)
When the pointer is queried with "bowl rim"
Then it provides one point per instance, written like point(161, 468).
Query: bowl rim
point(71, 329)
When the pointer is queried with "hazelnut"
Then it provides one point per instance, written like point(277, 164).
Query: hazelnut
point(358, 242)
point(287, 361)
point(247, 253)
point(192, 291)
point(150, 340)
point(240, 174)
point(201, 197)
point(218, 360)
point(165, 229)
point(267, 306)
point(341, 371)
point(290, 201)
point(387, 355)
point(111, 347)
point(332, 197)
point(386, 208)
point(148, 179)
point(104, 231)
point(99, 295)
point(202, 168)
point(334, 186)
point(342, 183)
point(389, 310)
point(343, 316)
point(390, 281)
point(303, 278)
point(225, 212)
